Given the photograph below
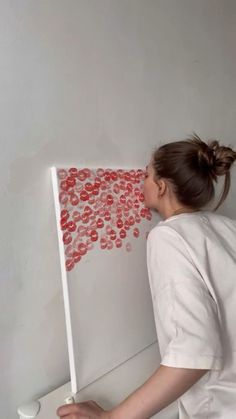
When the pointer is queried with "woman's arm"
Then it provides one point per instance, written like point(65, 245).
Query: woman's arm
point(166, 385)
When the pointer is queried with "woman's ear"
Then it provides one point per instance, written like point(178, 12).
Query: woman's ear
point(161, 187)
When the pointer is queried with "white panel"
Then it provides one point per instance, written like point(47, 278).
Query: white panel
point(108, 305)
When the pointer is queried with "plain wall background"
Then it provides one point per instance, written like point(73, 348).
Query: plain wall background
point(91, 82)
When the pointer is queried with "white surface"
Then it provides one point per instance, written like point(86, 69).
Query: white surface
point(100, 82)
point(112, 388)
point(108, 304)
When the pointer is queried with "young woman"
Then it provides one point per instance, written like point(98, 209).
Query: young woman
point(191, 258)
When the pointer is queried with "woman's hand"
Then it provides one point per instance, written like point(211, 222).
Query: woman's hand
point(83, 410)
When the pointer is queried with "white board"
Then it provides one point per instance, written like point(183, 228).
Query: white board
point(102, 228)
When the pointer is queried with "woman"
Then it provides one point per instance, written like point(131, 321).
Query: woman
point(191, 258)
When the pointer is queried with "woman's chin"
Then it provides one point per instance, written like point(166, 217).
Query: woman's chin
point(148, 205)
point(151, 206)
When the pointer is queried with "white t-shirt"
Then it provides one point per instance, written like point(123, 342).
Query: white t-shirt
point(191, 261)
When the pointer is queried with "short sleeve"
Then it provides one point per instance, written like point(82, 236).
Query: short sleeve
point(186, 315)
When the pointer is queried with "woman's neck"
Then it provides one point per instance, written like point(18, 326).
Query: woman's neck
point(177, 210)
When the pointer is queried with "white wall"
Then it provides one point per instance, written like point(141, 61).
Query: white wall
point(83, 82)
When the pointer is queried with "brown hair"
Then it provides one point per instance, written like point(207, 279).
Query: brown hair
point(192, 166)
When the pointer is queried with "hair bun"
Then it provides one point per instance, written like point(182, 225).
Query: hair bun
point(222, 158)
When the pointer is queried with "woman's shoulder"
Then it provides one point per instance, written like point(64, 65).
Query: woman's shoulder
point(193, 227)
point(163, 234)
point(197, 218)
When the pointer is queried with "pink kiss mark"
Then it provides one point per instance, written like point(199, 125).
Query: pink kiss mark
point(99, 206)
